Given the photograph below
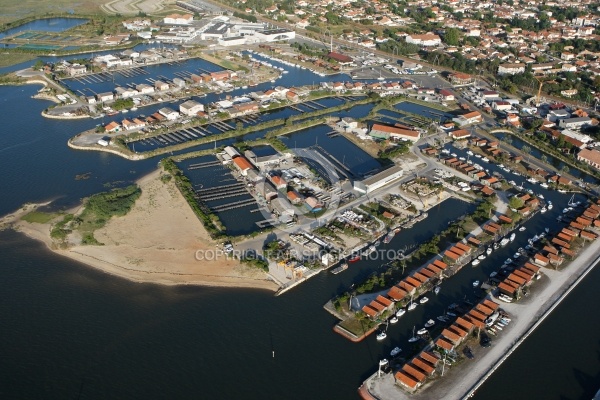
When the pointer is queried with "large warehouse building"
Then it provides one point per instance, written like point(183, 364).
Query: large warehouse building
point(379, 180)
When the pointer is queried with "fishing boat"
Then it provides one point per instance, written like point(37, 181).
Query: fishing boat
point(512, 237)
point(388, 238)
point(429, 323)
point(341, 268)
point(436, 290)
point(400, 312)
point(522, 229)
point(354, 258)
point(395, 351)
point(422, 331)
point(475, 284)
point(413, 338)
point(381, 335)
point(488, 251)
point(475, 262)
point(393, 320)
point(423, 300)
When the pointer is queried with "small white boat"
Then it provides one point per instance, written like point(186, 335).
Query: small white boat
point(476, 284)
point(543, 210)
point(475, 262)
point(411, 306)
point(498, 327)
point(436, 290)
point(504, 242)
point(517, 255)
point(508, 261)
point(512, 237)
point(522, 229)
point(541, 196)
point(488, 251)
point(513, 183)
point(544, 185)
point(565, 210)
point(383, 363)
point(400, 312)
point(395, 351)
point(381, 335)
point(413, 339)
point(550, 206)
point(482, 257)
point(423, 300)
point(393, 320)
point(429, 323)
point(422, 331)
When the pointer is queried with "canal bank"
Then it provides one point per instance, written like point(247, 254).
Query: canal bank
point(461, 381)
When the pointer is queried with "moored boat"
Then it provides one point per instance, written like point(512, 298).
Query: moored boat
point(422, 331)
point(475, 284)
point(475, 262)
point(354, 258)
point(395, 351)
point(341, 268)
point(381, 335)
point(522, 229)
point(393, 320)
point(488, 251)
point(388, 238)
point(400, 312)
point(504, 242)
point(429, 323)
point(512, 237)
point(423, 300)
point(436, 290)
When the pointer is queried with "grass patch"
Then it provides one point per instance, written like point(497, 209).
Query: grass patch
point(9, 59)
point(62, 229)
point(39, 217)
point(101, 207)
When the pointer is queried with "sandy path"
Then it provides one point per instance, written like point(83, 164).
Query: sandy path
point(458, 382)
point(158, 241)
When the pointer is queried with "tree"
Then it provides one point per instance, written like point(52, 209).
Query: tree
point(564, 169)
point(544, 158)
point(452, 37)
point(515, 203)
point(526, 150)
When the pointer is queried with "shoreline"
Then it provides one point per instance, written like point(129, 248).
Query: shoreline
point(462, 382)
point(137, 250)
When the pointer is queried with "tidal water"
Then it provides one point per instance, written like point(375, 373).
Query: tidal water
point(69, 331)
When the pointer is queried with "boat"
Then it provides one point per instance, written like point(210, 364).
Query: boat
point(513, 183)
point(543, 210)
point(413, 338)
point(508, 261)
point(547, 230)
point(517, 255)
point(488, 251)
point(442, 318)
point(482, 257)
point(436, 290)
point(504, 242)
point(377, 243)
point(498, 327)
point(522, 229)
point(422, 331)
point(541, 196)
point(411, 306)
point(493, 274)
point(565, 210)
point(544, 185)
point(395, 351)
point(368, 251)
point(496, 246)
point(354, 258)
point(550, 206)
point(400, 312)
point(393, 320)
point(429, 323)
point(383, 363)
point(451, 314)
point(475, 262)
point(512, 237)
point(381, 335)
point(388, 238)
point(475, 284)
point(572, 202)
point(423, 300)
point(341, 268)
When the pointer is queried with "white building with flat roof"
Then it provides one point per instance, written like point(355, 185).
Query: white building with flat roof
point(378, 180)
point(191, 108)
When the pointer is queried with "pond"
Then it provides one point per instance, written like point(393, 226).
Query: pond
point(423, 111)
point(45, 25)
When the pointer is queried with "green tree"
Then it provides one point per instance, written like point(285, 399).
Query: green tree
point(452, 37)
point(515, 203)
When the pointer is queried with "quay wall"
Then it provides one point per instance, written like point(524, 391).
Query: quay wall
point(134, 157)
point(541, 319)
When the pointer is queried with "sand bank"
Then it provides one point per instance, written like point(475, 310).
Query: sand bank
point(157, 242)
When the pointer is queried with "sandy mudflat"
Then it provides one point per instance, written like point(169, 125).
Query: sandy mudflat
point(157, 242)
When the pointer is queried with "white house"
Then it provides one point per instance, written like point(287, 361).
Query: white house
point(144, 88)
point(425, 40)
point(191, 108)
point(501, 105)
point(274, 35)
point(511, 69)
point(169, 113)
point(107, 96)
point(178, 19)
point(574, 123)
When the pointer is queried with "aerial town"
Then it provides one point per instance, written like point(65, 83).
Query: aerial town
point(450, 150)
